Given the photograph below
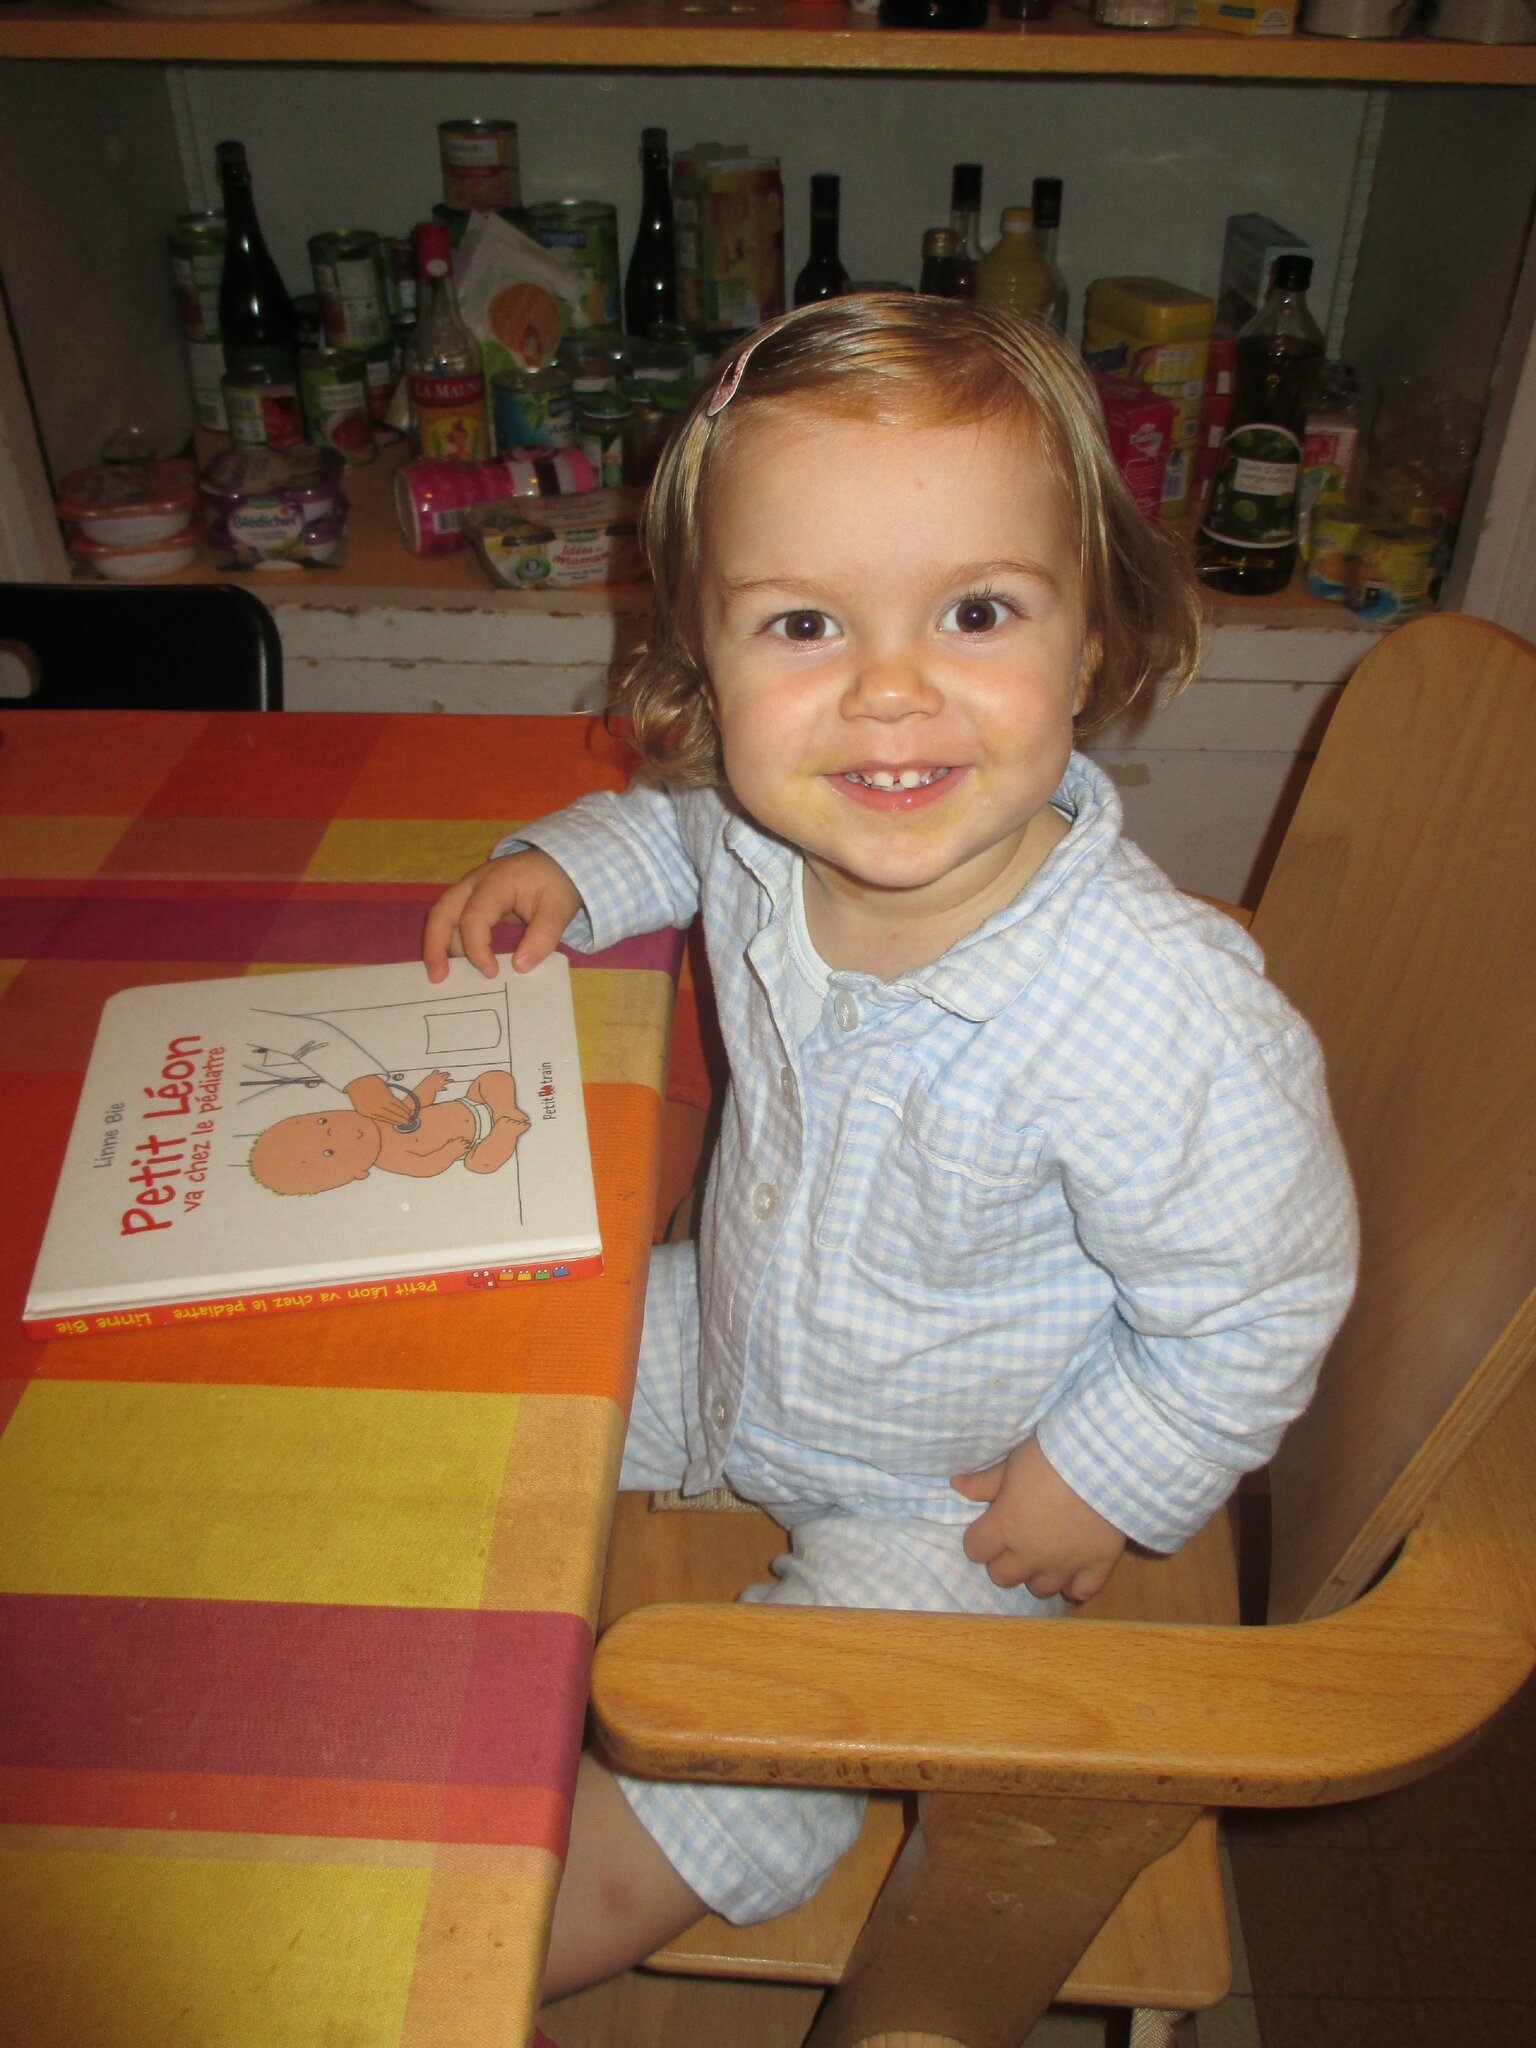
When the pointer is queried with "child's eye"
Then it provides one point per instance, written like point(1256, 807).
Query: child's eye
point(975, 614)
point(801, 626)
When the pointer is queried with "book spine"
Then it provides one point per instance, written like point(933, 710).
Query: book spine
point(283, 1301)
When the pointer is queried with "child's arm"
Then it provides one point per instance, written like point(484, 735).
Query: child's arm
point(1037, 1532)
point(528, 887)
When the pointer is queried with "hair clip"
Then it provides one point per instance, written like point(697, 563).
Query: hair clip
point(734, 371)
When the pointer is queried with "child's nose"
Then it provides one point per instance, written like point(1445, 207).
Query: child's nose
point(891, 683)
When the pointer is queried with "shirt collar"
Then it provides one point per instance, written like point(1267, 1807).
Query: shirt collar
point(988, 969)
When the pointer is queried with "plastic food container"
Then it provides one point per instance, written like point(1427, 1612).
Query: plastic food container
point(561, 543)
point(277, 508)
point(128, 504)
point(159, 557)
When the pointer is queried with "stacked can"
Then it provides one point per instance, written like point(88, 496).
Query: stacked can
point(196, 243)
point(480, 165)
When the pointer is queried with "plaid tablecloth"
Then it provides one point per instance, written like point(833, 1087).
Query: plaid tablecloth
point(294, 1630)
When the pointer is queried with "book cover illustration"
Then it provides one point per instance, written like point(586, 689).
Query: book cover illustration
point(299, 1140)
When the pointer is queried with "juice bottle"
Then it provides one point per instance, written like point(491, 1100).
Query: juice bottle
point(1013, 273)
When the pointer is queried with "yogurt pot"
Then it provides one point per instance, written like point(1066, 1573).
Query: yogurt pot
point(162, 556)
point(127, 504)
point(277, 508)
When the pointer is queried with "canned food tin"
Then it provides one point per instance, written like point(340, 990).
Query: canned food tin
point(1392, 573)
point(334, 385)
point(1335, 543)
point(480, 165)
point(205, 366)
point(585, 233)
point(308, 327)
point(196, 243)
point(600, 428)
point(382, 365)
point(533, 409)
point(349, 283)
point(263, 409)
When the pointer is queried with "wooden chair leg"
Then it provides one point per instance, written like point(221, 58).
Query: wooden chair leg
point(990, 1905)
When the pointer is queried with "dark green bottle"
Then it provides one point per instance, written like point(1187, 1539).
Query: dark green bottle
point(1247, 545)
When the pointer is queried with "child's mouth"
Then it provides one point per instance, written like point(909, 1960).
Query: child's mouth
point(904, 778)
point(895, 789)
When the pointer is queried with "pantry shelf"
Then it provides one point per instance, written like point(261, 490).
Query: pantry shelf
point(380, 573)
point(736, 35)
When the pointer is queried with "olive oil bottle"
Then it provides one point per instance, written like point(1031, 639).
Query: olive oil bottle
point(1247, 545)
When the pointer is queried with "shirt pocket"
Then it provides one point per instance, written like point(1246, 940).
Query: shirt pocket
point(922, 1189)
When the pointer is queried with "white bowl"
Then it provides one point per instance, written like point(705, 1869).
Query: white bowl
point(133, 529)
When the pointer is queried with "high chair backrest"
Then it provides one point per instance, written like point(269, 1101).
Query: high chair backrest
point(1401, 921)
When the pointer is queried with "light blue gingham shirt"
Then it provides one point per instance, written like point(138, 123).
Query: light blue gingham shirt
point(1077, 1179)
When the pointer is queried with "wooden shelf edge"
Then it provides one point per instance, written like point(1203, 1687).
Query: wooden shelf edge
point(732, 35)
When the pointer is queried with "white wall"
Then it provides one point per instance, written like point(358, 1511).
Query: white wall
point(1151, 168)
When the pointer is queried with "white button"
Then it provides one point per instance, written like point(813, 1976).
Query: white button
point(787, 1085)
point(719, 1412)
point(845, 1010)
point(765, 1198)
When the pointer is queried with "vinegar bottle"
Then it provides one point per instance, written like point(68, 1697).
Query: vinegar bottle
point(650, 283)
point(1247, 545)
point(442, 365)
point(1014, 275)
point(256, 321)
point(823, 276)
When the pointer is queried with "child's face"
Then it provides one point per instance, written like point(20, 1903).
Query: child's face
point(893, 628)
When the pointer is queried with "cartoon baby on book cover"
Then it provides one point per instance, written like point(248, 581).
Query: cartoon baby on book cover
point(396, 1118)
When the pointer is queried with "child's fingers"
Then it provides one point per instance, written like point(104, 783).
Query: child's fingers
point(984, 1539)
point(540, 937)
point(985, 1485)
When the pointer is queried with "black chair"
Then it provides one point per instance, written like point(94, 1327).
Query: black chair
point(138, 646)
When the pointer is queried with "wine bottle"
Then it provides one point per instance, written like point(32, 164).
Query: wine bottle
point(965, 219)
point(823, 276)
point(1247, 545)
point(938, 273)
point(1046, 207)
point(443, 373)
point(256, 320)
point(650, 283)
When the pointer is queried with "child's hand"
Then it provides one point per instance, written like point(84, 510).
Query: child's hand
point(1037, 1532)
point(528, 887)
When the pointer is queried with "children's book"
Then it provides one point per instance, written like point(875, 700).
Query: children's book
point(286, 1141)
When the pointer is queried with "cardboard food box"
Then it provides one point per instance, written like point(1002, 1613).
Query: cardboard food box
point(1139, 423)
point(1240, 17)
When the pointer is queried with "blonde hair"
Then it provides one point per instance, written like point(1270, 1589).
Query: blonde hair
point(901, 359)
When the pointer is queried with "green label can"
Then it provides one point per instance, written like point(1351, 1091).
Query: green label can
point(533, 409)
point(585, 233)
point(196, 243)
point(337, 414)
point(600, 425)
point(352, 287)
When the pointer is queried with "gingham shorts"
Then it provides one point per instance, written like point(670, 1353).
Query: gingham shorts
point(752, 1852)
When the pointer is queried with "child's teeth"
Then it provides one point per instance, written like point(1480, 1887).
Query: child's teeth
point(910, 778)
point(882, 780)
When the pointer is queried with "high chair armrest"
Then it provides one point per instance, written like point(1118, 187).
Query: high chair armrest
point(1304, 1714)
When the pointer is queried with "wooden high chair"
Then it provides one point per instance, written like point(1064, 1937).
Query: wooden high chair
point(1066, 1773)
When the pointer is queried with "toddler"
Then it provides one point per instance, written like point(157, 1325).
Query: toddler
point(1028, 1227)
